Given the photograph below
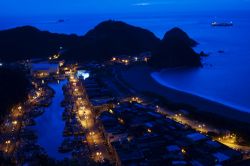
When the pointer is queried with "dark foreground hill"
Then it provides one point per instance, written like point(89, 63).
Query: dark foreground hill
point(13, 88)
point(109, 38)
point(29, 42)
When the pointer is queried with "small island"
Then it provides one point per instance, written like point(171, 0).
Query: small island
point(175, 50)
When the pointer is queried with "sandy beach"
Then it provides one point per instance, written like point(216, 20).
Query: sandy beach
point(139, 78)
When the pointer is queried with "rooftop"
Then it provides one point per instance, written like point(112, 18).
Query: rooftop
point(44, 66)
point(196, 136)
point(221, 157)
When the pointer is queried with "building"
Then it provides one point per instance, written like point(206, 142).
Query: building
point(44, 69)
point(83, 74)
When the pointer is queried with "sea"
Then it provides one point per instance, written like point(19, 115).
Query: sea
point(225, 75)
point(50, 125)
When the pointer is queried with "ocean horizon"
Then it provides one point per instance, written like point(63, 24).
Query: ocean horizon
point(224, 76)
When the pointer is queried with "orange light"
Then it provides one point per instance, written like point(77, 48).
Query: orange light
point(14, 122)
point(61, 64)
point(111, 111)
point(121, 120)
point(81, 112)
point(8, 142)
point(98, 153)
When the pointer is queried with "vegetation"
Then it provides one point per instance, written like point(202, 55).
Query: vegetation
point(112, 38)
point(13, 88)
point(28, 42)
point(108, 39)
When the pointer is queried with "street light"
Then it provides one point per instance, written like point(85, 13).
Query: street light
point(149, 130)
point(8, 142)
point(98, 153)
point(111, 111)
point(81, 112)
point(14, 122)
point(92, 133)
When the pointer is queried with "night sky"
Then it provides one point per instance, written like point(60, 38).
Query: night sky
point(37, 7)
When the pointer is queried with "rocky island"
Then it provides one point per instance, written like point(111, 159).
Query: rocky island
point(175, 50)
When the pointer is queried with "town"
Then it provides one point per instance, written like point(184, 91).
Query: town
point(109, 123)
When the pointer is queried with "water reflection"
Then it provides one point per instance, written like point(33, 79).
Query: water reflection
point(49, 126)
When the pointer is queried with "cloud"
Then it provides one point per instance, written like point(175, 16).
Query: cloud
point(154, 3)
point(142, 4)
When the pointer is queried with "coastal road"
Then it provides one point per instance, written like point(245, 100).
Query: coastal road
point(229, 140)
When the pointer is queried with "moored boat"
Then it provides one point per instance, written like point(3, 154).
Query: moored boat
point(222, 24)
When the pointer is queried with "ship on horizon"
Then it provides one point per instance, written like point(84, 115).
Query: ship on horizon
point(225, 24)
point(60, 20)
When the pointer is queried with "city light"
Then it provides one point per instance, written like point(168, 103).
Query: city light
point(81, 112)
point(183, 151)
point(14, 122)
point(121, 120)
point(92, 133)
point(111, 111)
point(98, 153)
point(8, 142)
point(83, 73)
point(149, 130)
point(61, 63)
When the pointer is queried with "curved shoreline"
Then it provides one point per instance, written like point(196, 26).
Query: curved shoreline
point(139, 78)
point(217, 100)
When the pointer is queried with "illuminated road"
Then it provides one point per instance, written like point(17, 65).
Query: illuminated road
point(10, 130)
point(87, 119)
point(14, 122)
point(229, 140)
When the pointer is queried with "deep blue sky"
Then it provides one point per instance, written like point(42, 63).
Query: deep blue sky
point(37, 7)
